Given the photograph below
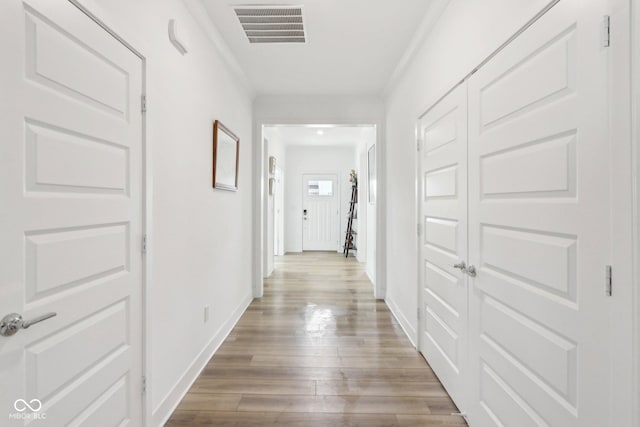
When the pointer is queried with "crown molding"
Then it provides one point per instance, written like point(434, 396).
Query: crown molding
point(432, 15)
point(200, 14)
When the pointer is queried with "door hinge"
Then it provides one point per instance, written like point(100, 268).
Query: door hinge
point(144, 385)
point(144, 244)
point(606, 31)
point(419, 229)
point(143, 103)
point(608, 283)
point(418, 145)
point(418, 312)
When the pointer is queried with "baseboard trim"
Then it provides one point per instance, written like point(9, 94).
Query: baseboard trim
point(169, 404)
point(373, 282)
point(409, 330)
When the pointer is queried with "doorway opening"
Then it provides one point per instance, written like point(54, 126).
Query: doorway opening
point(308, 174)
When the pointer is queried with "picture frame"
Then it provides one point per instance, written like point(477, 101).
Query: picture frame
point(272, 186)
point(226, 158)
point(371, 174)
point(272, 165)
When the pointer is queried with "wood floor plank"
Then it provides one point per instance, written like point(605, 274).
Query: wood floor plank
point(381, 351)
point(430, 421)
point(381, 388)
point(282, 350)
point(209, 402)
point(317, 350)
point(231, 360)
point(316, 373)
point(336, 404)
point(262, 419)
point(241, 386)
point(338, 362)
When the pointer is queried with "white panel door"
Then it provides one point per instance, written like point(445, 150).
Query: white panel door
point(70, 198)
point(443, 243)
point(320, 214)
point(539, 225)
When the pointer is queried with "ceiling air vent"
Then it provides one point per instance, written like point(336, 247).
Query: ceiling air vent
point(272, 24)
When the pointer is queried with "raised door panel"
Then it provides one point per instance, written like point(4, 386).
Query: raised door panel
point(73, 163)
point(443, 199)
point(538, 226)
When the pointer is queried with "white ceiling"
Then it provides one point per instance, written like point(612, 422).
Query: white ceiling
point(309, 135)
point(353, 46)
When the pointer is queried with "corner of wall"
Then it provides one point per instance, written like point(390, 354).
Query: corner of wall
point(170, 402)
point(405, 324)
point(434, 12)
point(199, 13)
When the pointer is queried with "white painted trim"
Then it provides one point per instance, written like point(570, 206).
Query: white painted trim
point(279, 195)
point(260, 162)
point(170, 402)
point(371, 279)
point(147, 262)
point(409, 331)
point(381, 215)
point(259, 209)
point(146, 220)
point(265, 217)
point(622, 237)
point(201, 15)
point(418, 240)
point(635, 146)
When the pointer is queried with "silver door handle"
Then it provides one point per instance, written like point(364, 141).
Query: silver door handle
point(461, 265)
point(471, 271)
point(12, 323)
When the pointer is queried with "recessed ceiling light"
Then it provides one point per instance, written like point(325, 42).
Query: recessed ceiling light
point(320, 132)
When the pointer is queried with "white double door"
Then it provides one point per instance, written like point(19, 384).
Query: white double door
point(70, 227)
point(515, 183)
point(320, 212)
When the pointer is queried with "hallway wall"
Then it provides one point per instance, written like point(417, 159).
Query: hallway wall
point(200, 238)
point(366, 224)
point(466, 33)
point(276, 149)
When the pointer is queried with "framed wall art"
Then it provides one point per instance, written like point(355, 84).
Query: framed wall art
point(272, 165)
point(272, 186)
point(226, 157)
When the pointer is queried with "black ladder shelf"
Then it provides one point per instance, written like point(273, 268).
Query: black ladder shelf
point(349, 242)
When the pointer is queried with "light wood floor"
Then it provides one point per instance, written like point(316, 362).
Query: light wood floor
point(317, 350)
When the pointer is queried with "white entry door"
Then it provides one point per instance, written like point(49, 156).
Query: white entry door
point(70, 206)
point(443, 244)
point(539, 225)
point(320, 213)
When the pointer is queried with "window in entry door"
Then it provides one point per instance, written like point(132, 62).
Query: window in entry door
point(320, 188)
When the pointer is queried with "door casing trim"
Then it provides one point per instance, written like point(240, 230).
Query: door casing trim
point(146, 222)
